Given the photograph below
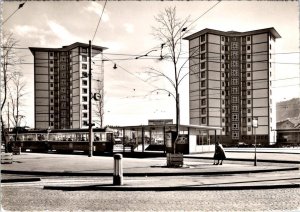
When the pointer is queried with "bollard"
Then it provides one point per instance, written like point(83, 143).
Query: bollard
point(118, 170)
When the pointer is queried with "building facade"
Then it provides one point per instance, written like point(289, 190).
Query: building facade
point(230, 83)
point(61, 85)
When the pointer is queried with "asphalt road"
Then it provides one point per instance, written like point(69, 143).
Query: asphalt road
point(26, 198)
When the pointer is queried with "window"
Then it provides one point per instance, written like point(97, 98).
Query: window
point(84, 123)
point(248, 74)
point(84, 82)
point(51, 54)
point(235, 117)
point(234, 81)
point(234, 99)
point(248, 38)
point(51, 77)
point(234, 45)
point(51, 124)
point(84, 58)
point(84, 66)
point(51, 61)
point(51, 92)
point(249, 110)
point(222, 38)
point(84, 107)
point(51, 69)
point(235, 108)
point(249, 129)
point(202, 38)
point(234, 90)
point(203, 111)
point(203, 47)
point(235, 135)
point(51, 108)
point(51, 116)
point(203, 83)
point(248, 56)
point(248, 47)
point(51, 85)
point(270, 46)
point(84, 90)
point(203, 120)
point(235, 126)
point(203, 65)
point(248, 65)
point(203, 56)
point(203, 93)
point(85, 115)
point(203, 102)
point(202, 74)
point(248, 92)
point(84, 99)
point(249, 101)
point(51, 100)
point(248, 83)
point(84, 50)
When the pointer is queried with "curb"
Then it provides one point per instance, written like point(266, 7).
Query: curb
point(153, 174)
point(248, 160)
point(17, 180)
point(175, 188)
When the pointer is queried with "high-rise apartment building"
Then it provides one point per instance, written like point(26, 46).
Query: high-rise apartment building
point(230, 83)
point(61, 85)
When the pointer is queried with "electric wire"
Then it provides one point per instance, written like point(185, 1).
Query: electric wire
point(20, 6)
point(99, 20)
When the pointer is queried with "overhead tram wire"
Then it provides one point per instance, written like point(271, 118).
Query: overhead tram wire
point(145, 81)
point(99, 20)
point(20, 6)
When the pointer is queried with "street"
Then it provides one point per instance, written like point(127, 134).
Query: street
point(36, 199)
point(72, 192)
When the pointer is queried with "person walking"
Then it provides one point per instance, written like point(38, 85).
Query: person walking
point(219, 154)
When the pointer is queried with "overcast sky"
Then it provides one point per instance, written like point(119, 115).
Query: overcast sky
point(126, 29)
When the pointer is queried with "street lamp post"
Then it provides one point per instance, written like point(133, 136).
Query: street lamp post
point(255, 125)
point(90, 103)
point(48, 131)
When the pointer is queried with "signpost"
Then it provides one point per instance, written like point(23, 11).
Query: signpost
point(255, 125)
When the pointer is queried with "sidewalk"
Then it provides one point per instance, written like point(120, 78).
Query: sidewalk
point(152, 173)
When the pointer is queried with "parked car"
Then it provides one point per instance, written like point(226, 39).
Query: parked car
point(242, 144)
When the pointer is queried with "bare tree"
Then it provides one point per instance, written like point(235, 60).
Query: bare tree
point(9, 67)
point(17, 92)
point(169, 31)
point(99, 103)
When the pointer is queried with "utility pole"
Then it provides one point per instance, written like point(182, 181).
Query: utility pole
point(90, 102)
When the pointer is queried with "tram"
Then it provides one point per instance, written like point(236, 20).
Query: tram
point(62, 140)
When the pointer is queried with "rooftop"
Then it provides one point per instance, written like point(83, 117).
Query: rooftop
point(66, 48)
point(233, 33)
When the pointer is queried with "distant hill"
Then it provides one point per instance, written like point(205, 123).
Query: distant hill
point(288, 109)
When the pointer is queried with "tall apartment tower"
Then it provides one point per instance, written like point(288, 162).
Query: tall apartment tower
point(61, 85)
point(230, 83)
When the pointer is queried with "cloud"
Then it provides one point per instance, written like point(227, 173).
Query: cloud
point(30, 32)
point(129, 27)
point(97, 9)
point(62, 33)
point(112, 46)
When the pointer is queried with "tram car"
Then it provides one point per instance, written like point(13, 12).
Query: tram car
point(62, 140)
